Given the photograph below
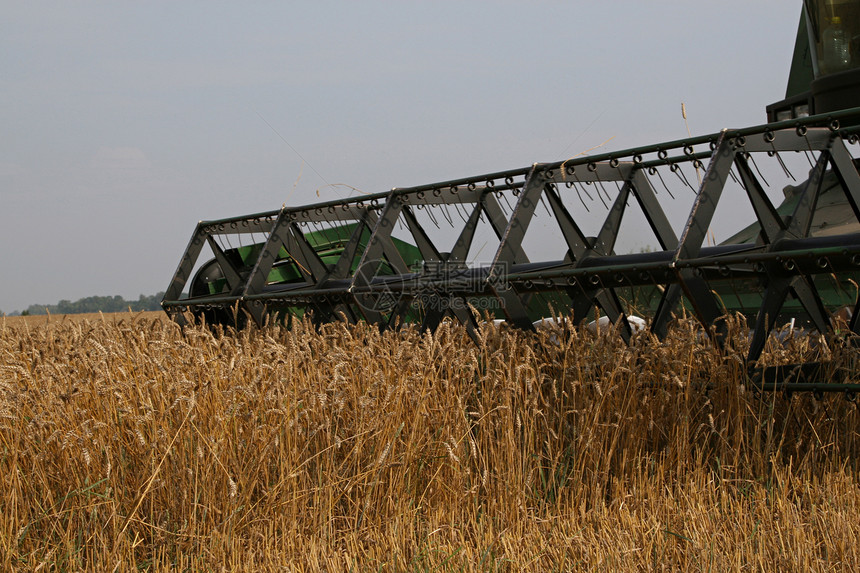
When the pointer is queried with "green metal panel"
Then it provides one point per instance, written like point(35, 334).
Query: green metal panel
point(801, 74)
point(329, 244)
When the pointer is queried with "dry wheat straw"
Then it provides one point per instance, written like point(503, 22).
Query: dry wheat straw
point(134, 444)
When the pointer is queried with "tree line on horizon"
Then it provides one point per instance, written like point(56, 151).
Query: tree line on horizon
point(95, 304)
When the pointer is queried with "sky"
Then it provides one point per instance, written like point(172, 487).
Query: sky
point(123, 123)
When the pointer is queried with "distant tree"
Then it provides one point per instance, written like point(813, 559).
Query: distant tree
point(98, 304)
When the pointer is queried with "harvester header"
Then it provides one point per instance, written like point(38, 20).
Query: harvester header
point(620, 234)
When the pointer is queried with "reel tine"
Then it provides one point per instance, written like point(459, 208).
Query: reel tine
point(504, 197)
point(583, 185)
point(662, 181)
point(429, 210)
point(783, 165)
point(578, 194)
point(598, 187)
point(543, 203)
point(757, 170)
point(807, 153)
point(447, 215)
point(735, 177)
point(679, 172)
point(458, 207)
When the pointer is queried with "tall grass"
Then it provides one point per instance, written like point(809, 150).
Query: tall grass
point(135, 445)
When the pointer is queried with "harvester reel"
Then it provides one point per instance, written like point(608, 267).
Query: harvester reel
point(410, 255)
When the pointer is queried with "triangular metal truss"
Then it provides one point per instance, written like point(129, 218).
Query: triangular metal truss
point(369, 277)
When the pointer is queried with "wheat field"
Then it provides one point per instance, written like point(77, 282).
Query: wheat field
point(134, 445)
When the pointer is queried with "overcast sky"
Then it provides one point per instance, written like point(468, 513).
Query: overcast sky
point(123, 124)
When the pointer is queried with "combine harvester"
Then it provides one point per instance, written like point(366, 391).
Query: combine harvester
point(554, 235)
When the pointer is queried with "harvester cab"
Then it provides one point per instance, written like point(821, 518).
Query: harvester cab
point(825, 66)
point(650, 231)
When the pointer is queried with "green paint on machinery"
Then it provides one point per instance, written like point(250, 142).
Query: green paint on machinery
point(329, 245)
point(547, 240)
